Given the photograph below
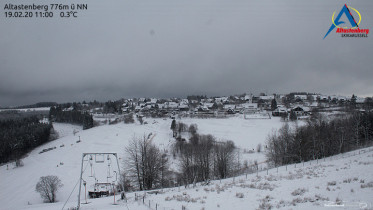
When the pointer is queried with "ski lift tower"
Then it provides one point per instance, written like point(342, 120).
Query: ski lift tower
point(98, 161)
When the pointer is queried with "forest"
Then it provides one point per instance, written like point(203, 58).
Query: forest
point(75, 116)
point(20, 135)
point(320, 137)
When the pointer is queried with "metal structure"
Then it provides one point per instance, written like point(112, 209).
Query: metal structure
point(81, 170)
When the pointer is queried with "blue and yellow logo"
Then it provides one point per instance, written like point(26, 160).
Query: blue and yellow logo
point(354, 30)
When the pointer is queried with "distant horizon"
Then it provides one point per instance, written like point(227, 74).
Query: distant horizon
point(180, 97)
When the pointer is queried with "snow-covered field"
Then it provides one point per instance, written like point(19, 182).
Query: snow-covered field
point(18, 184)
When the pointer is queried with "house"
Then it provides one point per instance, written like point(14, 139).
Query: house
point(252, 106)
point(138, 108)
point(324, 98)
point(68, 109)
point(208, 105)
point(172, 105)
point(300, 97)
point(153, 101)
point(229, 108)
point(248, 97)
point(183, 107)
point(314, 104)
point(280, 111)
point(301, 111)
point(314, 97)
point(221, 100)
point(193, 101)
point(162, 106)
point(248, 107)
point(267, 98)
point(360, 100)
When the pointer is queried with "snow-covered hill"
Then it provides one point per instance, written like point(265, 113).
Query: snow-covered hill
point(18, 184)
point(342, 181)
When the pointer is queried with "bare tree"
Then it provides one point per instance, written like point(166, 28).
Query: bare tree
point(146, 164)
point(133, 161)
point(224, 159)
point(47, 187)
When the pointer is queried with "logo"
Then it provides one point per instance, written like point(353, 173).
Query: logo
point(345, 31)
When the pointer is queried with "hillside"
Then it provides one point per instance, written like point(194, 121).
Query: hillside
point(18, 184)
point(64, 161)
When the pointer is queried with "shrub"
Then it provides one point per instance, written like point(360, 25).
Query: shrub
point(19, 163)
point(128, 119)
point(259, 148)
point(239, 195)
point(299, 191)
point(333, 183)
point(368, 185)
point(47, 187)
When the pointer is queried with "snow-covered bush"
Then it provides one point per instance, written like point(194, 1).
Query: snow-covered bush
point(332, 183)
point(299, 191)
point(259, 148)
point(240, 195)
point(368, 185)
point(19, 163)
point(264, 203)
point(347, 180)
point(128, 119)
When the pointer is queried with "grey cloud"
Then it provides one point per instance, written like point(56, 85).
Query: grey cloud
point(175, 48)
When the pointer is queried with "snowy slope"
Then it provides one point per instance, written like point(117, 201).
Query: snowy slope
point(341, 182)
point(18, 184)
point(345, 181)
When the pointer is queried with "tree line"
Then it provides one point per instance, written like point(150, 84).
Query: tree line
point(320, 138)
point(74, 116)
point(202, 158)
point(20, 135)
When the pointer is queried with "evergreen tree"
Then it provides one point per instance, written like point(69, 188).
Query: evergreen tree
point(273, 104)
point(293, 115)
point(353, 101)
point(173, 125)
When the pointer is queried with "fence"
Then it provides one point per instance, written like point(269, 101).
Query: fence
point(141, 198)
point(260, 167)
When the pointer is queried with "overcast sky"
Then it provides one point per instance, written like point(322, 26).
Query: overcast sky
point(175, 48)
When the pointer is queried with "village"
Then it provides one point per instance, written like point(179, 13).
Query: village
point(301, 105)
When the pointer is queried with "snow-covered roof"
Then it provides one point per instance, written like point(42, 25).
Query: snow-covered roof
point(153, 100)
point(303, 97)
point(248, 97)
point(172, 104)
point(360, 100)
point(281, 109)
point(221, 99)
point(266, 97)
point(229, 106)
point(250, 105)
point(183, 106)
point(208, 105)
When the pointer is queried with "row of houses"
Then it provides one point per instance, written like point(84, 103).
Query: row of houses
point(233, 104)
point(298, 110)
